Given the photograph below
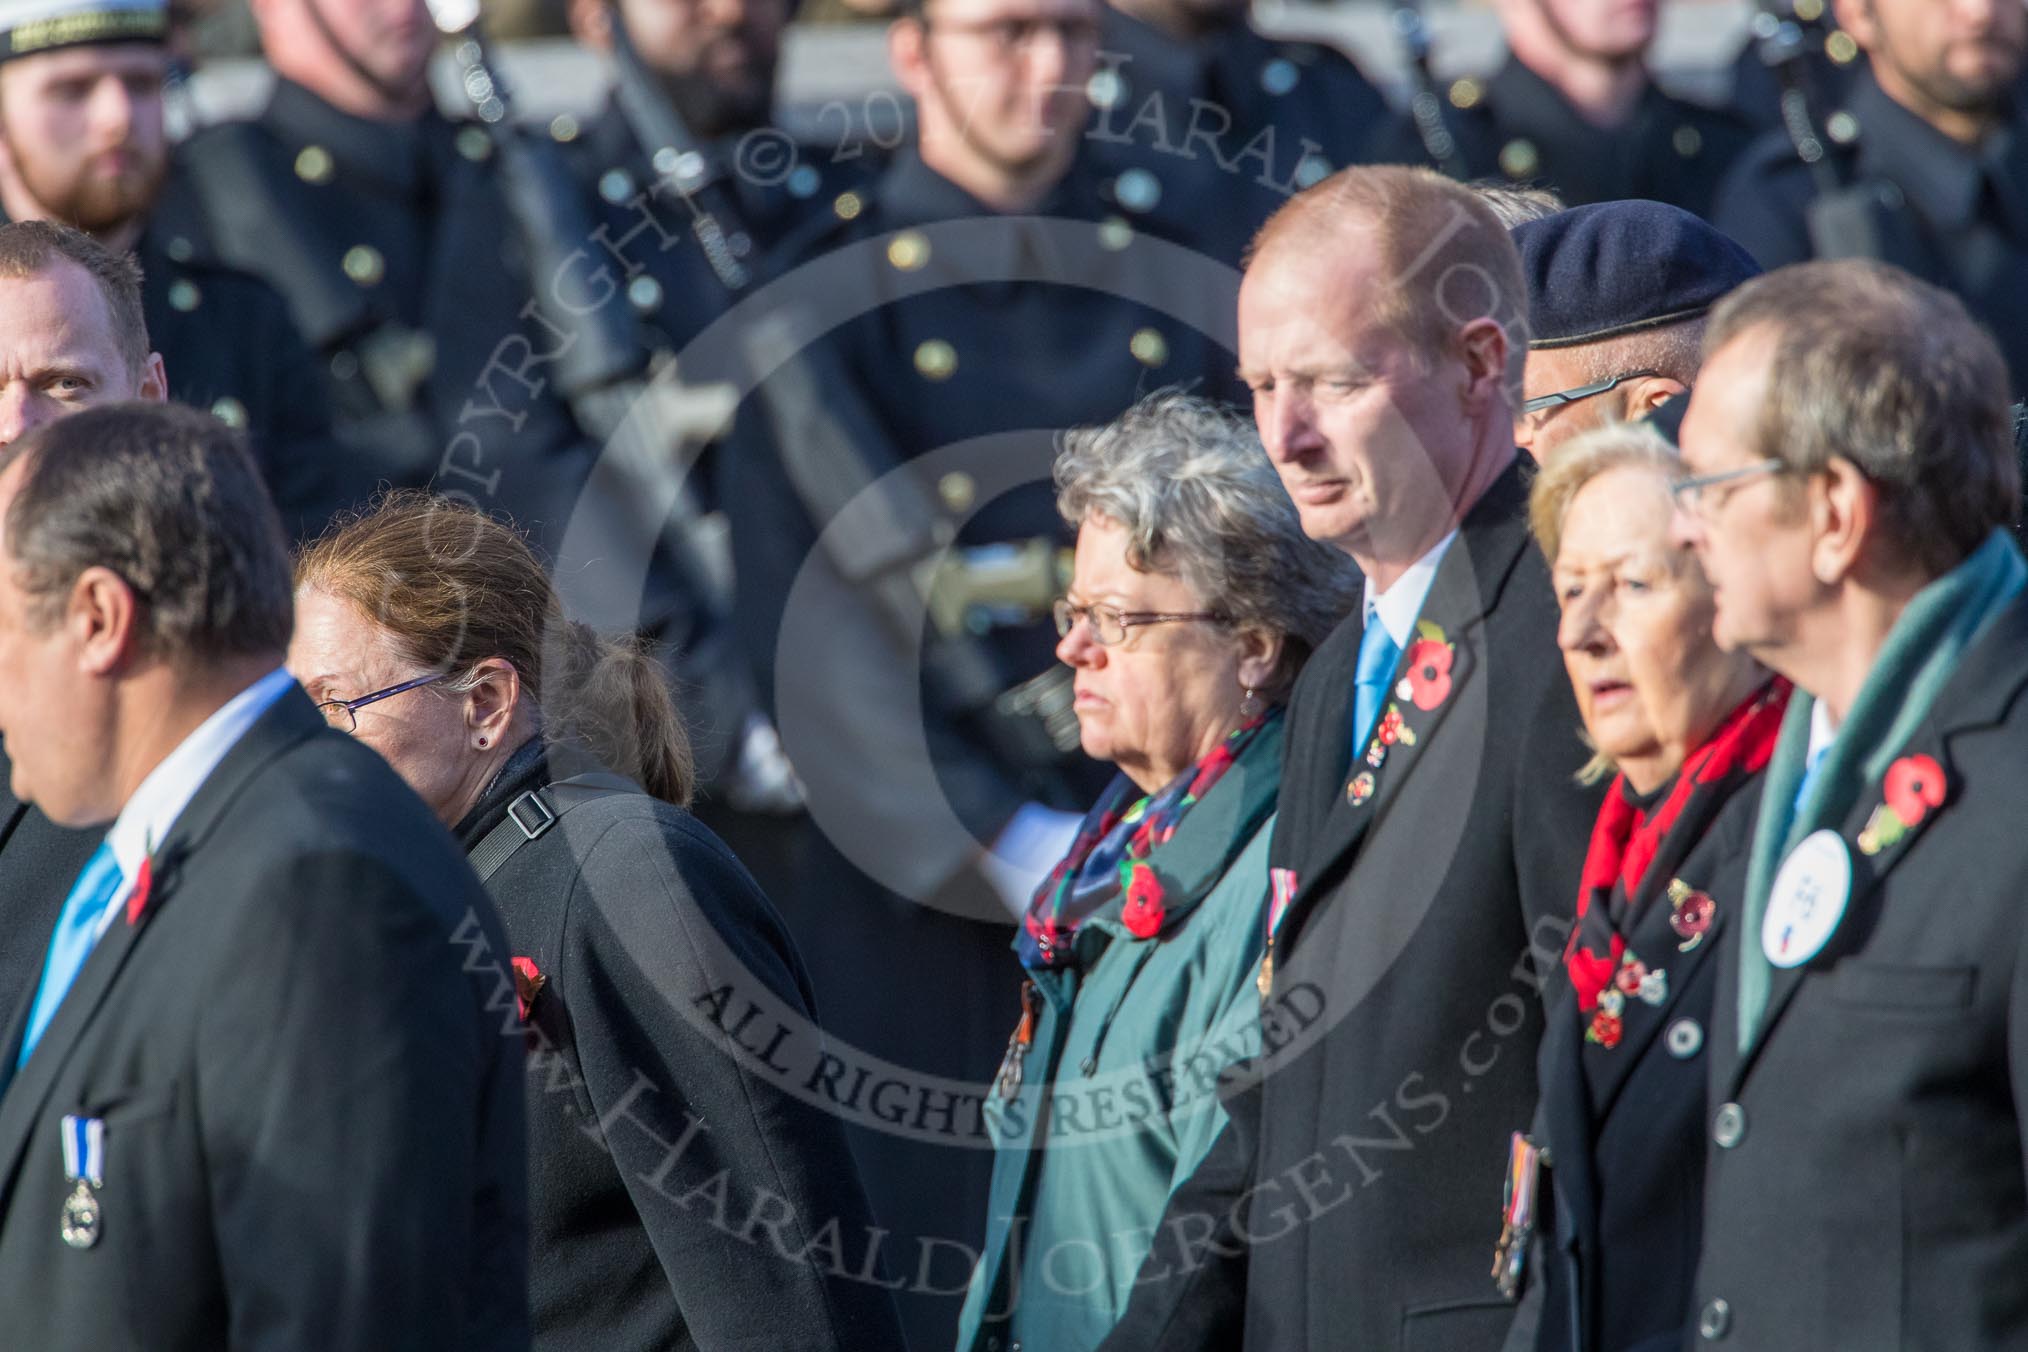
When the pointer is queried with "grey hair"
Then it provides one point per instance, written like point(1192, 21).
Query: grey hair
point(1894, 376)
point(1198, 498)
point(1674, 350)
point(1517, 206)
point(167, 498)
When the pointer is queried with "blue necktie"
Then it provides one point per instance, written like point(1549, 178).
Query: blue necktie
point(1811, 765)
point(77, 931)
point(1378, 655)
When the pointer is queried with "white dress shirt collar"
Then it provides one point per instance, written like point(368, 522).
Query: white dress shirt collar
point(145, 821)
point(1400, 605)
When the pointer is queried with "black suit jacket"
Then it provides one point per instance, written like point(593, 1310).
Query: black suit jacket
point(39, 860)
point(1625, 1124)
point(1354, 1199)
point(313, 1121)
point(678, 1187)
point(1869, 1193)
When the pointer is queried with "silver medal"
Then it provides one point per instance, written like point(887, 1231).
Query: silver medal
point(81, 1217)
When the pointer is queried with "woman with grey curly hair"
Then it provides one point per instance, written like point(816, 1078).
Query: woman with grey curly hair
point(1195, 599)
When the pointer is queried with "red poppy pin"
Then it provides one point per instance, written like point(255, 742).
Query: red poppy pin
point(1427, 682)
point(1144, 910)
point(1914, 785)
point(1605, 1030)
point(144, 883)
point(528, 983)
point(1690, 914)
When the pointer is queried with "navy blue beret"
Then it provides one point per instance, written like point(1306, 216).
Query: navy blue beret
point(1614, 268)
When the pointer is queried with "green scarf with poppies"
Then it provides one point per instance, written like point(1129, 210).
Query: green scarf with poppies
point(1922, 651)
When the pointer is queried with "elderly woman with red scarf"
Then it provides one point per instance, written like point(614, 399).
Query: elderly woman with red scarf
point(1686, 730)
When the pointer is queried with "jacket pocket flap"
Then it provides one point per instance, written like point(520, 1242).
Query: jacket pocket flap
point(1887, 985)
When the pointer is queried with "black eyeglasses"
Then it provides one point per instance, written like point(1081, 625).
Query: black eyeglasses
point(343, 714)
point(1110, 626)
point(1592, 391)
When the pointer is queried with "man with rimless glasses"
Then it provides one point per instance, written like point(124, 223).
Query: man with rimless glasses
point(1618, 294)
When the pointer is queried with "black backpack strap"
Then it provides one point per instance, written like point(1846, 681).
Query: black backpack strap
point(531, 815)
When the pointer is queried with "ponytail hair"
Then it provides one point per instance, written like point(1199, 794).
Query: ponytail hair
point(612, 696)
point(454, 587)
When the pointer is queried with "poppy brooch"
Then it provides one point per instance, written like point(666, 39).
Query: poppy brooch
point(1914, 785)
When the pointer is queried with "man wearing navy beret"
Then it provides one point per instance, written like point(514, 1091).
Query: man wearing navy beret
point(1617, 293)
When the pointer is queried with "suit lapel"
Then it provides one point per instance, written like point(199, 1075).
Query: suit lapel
point(1977, 697)
point(22, 1101)
point(1656, 943)
point(1467, 585)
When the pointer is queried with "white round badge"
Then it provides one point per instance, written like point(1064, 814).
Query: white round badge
point(1808, 899)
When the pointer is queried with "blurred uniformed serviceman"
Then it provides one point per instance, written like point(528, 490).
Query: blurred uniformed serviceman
point(976, 298)
point(1194, 81)
point(710, 63)
point(1932, 174)
point(82, 142)
point(1574, 108)
point(381, 222)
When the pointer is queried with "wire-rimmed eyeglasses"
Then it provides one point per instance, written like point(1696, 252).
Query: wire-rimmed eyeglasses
point(1110, 626)
point(1689, 490)
point(343, 714)
point(1591, 391)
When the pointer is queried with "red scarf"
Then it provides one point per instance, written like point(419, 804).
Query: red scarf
point(1627, 839)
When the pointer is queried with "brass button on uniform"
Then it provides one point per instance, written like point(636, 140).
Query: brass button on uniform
point(1519, 158)
point(1137, 190)
point(1149, 347)
point(1728, 1126)
point(908, 251)
point(616, 185)
point(313, 164)
point(364, 265)
point(936, 359)
point(1685, 1038)
point(1714, 1321)
point(958, 491)
point(644, 293)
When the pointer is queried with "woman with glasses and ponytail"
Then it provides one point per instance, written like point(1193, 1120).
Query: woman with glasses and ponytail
point(1194, 601)
point(640, 946)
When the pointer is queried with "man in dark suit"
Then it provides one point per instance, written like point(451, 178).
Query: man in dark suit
point(1431, 829)
point(261, 1096)
point(70, 306)
point(1851, 484)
